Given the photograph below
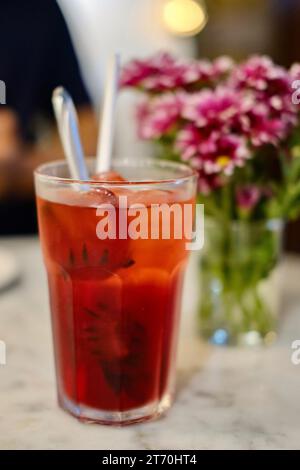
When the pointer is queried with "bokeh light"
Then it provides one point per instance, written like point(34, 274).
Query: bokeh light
point(184, 17)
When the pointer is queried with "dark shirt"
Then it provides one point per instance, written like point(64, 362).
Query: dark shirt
point(36, 55)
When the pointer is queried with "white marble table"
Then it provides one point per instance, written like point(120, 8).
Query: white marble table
point(226, 398)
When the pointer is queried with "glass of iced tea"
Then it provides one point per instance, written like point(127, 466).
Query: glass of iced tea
point(115, 259)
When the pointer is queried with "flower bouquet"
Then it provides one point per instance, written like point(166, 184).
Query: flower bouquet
point(238, 125)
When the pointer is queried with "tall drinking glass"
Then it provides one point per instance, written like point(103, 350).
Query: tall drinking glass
point(115, 262)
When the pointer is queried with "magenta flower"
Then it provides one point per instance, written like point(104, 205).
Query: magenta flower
point(212, 153)
point(222, 66)
point(264, 129)
point(157, 116)
point(215, 114)
point(247, 197)
point(204, 72)
point(162, 73)
point(260, 74)
point(274, 115)
point(159, 73)
point(216, 109)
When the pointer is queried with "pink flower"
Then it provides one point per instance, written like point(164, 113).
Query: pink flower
point(259, 73)
point(157, 116)
point(163, 72)
point(247, 197)
point(215, 114)
point(222, 65)
point(264, 129)
point(159, 73)
point(204, 72)
point(216, 109)
point(212, 153)
point(274, 115)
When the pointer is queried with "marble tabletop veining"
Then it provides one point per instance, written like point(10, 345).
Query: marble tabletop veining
point(227, 398)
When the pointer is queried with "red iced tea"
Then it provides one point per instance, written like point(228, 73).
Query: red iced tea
point(115, 304)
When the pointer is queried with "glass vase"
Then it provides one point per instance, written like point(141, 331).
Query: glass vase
point(239, 277)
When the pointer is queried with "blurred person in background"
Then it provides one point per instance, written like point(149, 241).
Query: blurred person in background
point(135, 28)
point(37, 55)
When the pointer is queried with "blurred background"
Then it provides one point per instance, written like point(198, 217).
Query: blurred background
point(46, 44)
